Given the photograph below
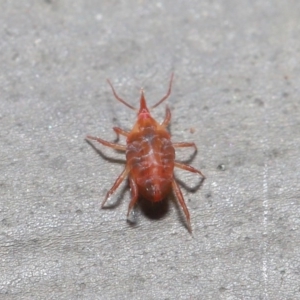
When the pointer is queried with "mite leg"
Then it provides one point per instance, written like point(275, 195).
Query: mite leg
point(134, 195)
point(119, 180)
point(183, 145)
point(120, 131)
point(108, 144)
point(188, 168)
point(119, 98)
point(180, 198)
point(167, 119)
point(168, 93)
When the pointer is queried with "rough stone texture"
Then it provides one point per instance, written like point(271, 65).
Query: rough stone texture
point(236, 94)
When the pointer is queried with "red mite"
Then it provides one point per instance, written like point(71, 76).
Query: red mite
point(150, 156)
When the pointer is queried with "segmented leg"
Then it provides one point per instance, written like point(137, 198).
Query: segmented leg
point(180, 198)
point(108, 144)
point(168, 93)
point(188, 168)
point(120, 131)
point(134, 195)
point(183, 145)
point(167, 119)
point(119, 180)
point(119, 98)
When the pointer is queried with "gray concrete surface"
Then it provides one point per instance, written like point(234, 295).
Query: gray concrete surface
point(236, 94)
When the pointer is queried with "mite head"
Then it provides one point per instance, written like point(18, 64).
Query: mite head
point(144, 116)
point(143, 112)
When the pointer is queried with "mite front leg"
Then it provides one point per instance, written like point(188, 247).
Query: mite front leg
point(119, 98)
point(168, 93)
point(108, 144)
point(188, 168)
point(180, 198)
point(119, 180)
point(120, 131)
point(167, 119)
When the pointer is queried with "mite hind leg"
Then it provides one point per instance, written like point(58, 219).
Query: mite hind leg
point(108, 144)
point(188, 168)
point(180, 198)
point(134, 195)
point(119, 180)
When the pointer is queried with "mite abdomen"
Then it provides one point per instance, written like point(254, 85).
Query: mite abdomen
point(150, 158)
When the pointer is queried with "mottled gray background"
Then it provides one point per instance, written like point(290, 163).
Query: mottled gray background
point(236, 94)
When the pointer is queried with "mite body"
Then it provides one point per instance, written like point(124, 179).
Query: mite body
point(150, 157)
